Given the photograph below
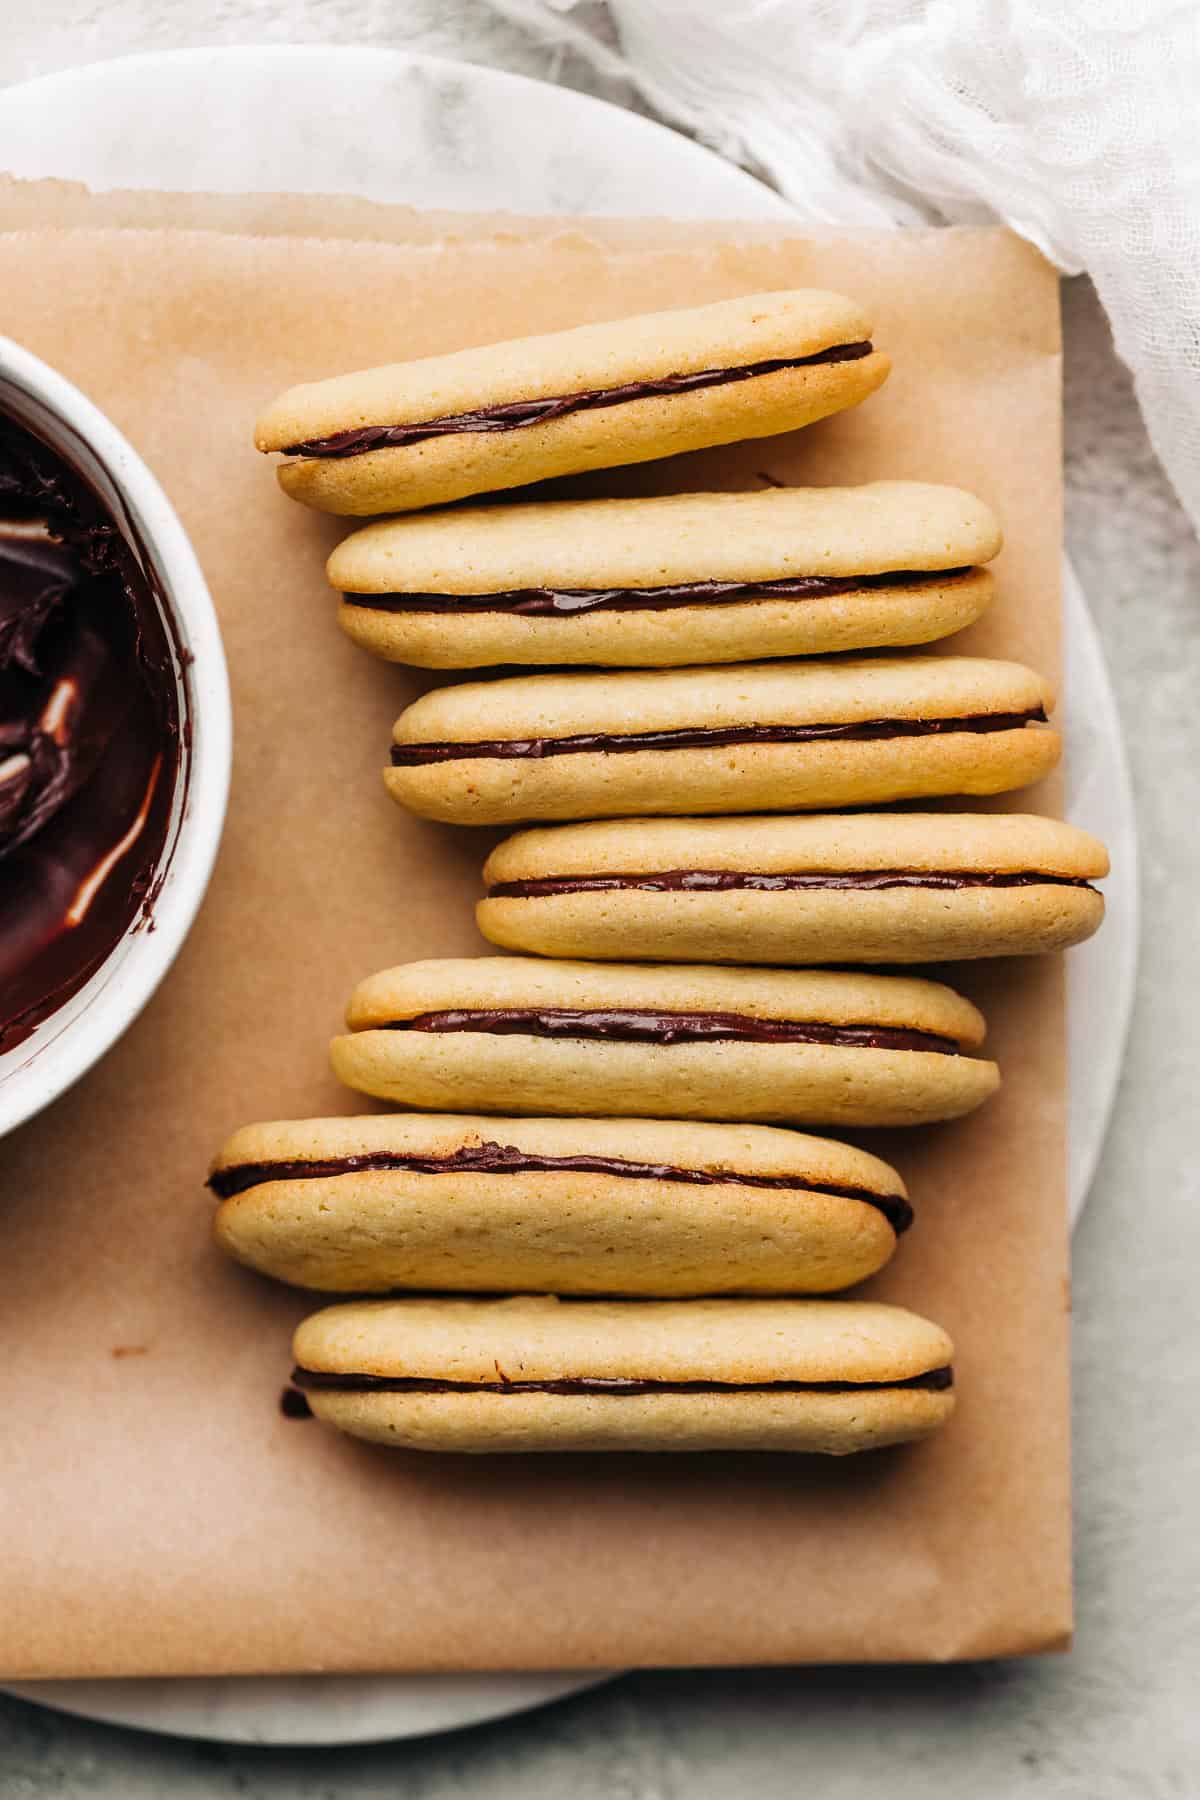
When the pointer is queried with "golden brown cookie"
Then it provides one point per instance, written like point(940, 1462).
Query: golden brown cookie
point(626, 391)
point(755, 737)
point(571, 1206)
point(667, 581)
point(519, 1034)
point(823, 888)
point(528, 1374)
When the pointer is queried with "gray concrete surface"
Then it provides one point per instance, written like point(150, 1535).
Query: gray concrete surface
point(1117, 1718)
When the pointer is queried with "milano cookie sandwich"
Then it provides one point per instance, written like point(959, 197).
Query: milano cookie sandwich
point(626, 391)
point(825, 888)
point(570, 1206)
point(685, 578)
point(518, 1034)
point(774, 737)
point(545, 1374)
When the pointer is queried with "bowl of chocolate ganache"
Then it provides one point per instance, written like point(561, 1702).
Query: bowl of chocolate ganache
point(115, 734)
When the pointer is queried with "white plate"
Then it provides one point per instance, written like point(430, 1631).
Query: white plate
point(394, 127)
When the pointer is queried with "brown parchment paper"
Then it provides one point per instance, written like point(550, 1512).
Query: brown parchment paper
point(157, 1514)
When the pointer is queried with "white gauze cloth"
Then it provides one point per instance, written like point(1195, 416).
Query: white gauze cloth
point(1075, 122)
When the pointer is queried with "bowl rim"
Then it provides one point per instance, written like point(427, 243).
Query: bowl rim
point(57, 1053)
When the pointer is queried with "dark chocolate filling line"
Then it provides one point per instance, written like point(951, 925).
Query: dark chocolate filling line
point(509, 1159)
point(721, 881)
point(709, 737)
point(933, 1381)
point(532, 602)
point(642, 1026)
point(513, 414)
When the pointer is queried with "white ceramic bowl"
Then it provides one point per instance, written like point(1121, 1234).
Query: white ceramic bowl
point(67, 1043)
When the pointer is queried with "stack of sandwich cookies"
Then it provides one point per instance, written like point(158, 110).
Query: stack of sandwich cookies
point(569, 1206)
point(759, 737)
point(685, 578)
point(530, 1374)
point(823, 888)
point(678, 749)
point(442, 428)
point(523, 1035)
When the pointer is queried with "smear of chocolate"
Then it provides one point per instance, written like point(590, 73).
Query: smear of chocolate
point(706, 737)
point(513, 414)
point(635, 1025)
point(509, 1159)
point(566, 602)
point(933, 1380)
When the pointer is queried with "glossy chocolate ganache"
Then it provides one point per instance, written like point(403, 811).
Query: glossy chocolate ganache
point(708, 737)
point(490, 1158)
point(639, 1025)
point(315, 1380)
point(724, 881)
point(513, 415)
point(90, 742)
point(567, 602)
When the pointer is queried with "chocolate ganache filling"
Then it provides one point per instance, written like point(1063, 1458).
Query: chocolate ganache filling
point(709, 737)
point(563, 602)
point(510, 1159)
point(643, 1026)
point(932, 1381)
point(721, 881)
point(513, 414)
point(703, 737)
point(89, 730)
